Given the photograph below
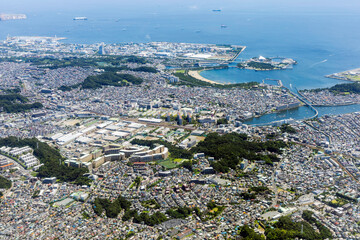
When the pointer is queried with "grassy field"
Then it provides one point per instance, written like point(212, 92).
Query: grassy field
point(178, 160)
point(91, 123)
point(169, 164)
point(354, 78)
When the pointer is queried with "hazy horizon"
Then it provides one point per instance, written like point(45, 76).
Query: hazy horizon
point(38, 6)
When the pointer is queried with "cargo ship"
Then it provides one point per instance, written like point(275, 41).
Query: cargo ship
point(80, 18)
point(6, 17)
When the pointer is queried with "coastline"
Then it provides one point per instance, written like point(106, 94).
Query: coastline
point(238, 54)
point(196, 74)
point(340, 78)
point(326, 105)
point(334, 105)
point(344, 76)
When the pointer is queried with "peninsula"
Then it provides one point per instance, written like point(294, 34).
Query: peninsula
point(349, 75)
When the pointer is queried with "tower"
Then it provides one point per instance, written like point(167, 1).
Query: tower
point(180, 121)
point(102, 49)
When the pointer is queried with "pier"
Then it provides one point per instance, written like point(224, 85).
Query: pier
point(237, 55)
point(279, 82)
point(282, 58)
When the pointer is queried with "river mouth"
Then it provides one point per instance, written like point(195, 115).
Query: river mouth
point(291, 79)
point(301, 113)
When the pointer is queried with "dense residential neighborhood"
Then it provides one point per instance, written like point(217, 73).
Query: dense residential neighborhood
point(147, 157)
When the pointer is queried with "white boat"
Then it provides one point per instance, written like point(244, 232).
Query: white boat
point(80, 18)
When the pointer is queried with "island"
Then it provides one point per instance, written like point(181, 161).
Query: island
point(264, 64)
point(6, 17)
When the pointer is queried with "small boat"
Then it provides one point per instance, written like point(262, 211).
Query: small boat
point(216, 10)
point(80, 18)
point(223, 26)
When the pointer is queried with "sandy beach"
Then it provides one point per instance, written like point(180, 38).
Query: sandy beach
point(196, 74)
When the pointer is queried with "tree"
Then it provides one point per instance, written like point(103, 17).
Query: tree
point(112, 209)
point(175, 152)
point(137, 182)
point(50, 157)
point(188, 165)
point(230, 148)
point(110, 79)
point(14, 103)
point(222, 121)
point(249, 234)
point(285, 228)
point(341, 88)
point(5, 183)
point(287, 128)
point(180, 212)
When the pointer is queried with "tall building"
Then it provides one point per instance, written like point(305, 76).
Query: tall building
point(180, 121)
point(102, 50)
point(189, 117)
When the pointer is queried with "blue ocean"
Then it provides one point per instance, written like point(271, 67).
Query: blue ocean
point(322, 36)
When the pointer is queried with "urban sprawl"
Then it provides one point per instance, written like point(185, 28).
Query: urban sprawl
point(117, 141)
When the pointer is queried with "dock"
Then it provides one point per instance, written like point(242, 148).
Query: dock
point(237, 55)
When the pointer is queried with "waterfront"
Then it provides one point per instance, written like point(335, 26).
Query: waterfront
point(111, 145)
point(317, 38)
point(302, 113)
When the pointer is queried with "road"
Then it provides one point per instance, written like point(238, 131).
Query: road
point(16, 164)
point(273, 184)
point(341, 166)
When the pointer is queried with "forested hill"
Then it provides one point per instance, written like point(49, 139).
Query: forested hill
point(14, 103)
point(51, 158)
point(110, 79)
point(5, 183)
point(106, 79)
point(230, 149)
point(341, 88)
